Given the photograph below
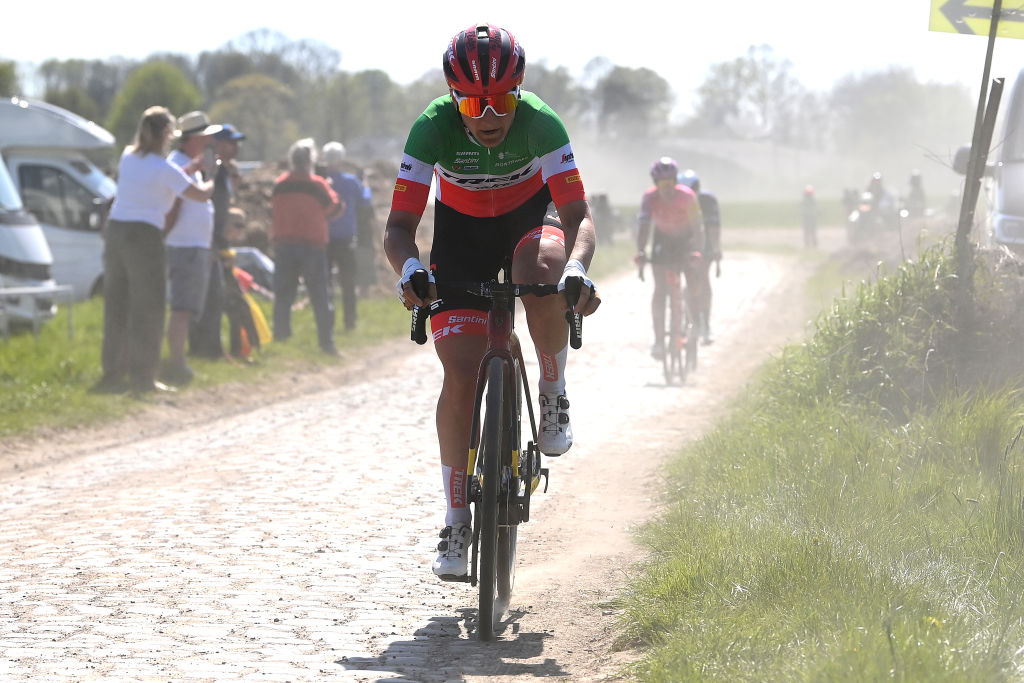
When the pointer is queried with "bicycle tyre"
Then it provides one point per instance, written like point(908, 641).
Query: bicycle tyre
point(507, 527)
point(493, 443)
point(673, 359)
point(692, 339)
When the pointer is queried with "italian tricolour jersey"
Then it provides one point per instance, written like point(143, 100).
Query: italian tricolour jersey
point(481, 181)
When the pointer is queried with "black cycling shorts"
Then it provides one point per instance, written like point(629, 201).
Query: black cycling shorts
point(672, 250)
point(470, 249)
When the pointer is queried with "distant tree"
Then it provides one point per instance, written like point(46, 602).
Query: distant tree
point(289, 61)
point(86, 87)
point(888, 116)
point(153, 83)
point(76, 100)
point(557, 88)
point(264, 109)
point(632, 102)
point(750, 97)
point(214, 69)
point(9, 85)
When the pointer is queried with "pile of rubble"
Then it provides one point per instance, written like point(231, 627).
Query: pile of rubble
point(253, 197)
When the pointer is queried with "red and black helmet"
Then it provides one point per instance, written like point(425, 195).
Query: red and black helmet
point(484, 60)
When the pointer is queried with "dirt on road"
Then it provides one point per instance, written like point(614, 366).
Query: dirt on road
point(291, 539)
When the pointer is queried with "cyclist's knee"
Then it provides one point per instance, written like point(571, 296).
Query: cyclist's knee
point(539, 257)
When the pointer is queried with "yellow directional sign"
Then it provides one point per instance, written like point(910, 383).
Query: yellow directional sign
point(974, 17)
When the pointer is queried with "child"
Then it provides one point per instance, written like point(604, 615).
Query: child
point(248, 328)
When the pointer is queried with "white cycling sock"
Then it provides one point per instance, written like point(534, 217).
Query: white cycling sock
point(456, 492)
point(552, 371)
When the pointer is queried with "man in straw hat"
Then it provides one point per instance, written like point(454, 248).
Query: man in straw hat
point(189, 232)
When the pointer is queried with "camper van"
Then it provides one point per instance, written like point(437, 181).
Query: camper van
point(25, 260)
point(50, 155)
point(1005, 171)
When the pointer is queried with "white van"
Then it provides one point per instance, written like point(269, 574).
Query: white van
point(48, 152)
point(1005, 168)
point(25, 261)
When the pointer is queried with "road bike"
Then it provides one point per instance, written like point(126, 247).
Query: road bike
point(503, 473)
point(680, 342)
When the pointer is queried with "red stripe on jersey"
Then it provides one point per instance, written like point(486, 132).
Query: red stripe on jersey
point(488, 203)
point(410, 196)
point(566, 187)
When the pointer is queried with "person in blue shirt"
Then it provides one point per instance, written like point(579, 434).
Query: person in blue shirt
point(342, 230)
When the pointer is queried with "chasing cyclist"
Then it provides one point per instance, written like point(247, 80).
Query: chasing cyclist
point(498, 155)
point(712, 250)
point(674, 211)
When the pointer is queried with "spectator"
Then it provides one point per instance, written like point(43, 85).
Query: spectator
point(235, 229)
point(204, 333)
point(301, 204)
point(809, 216)
point(134, 259)
point(189, 236)
point(341, 245)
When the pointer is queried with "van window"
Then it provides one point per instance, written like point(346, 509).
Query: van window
point(56, 198)
point(9, 199)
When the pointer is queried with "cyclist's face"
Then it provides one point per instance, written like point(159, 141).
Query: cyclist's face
point(665, 187)
point(490, 129)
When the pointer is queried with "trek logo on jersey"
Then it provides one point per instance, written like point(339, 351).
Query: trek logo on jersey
point(573, 178)
point(489, 182)
point(401, 187)
point(568, 158)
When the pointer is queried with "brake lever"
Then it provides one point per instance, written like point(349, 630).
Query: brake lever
point(421, 286)
point(573, 286)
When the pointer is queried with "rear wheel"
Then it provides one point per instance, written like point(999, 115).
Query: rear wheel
point(497, 535)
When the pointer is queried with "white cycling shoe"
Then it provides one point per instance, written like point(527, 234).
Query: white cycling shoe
point(452, 563)
point(555, 436)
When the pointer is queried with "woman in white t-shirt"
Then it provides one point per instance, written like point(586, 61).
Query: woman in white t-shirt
point(134, 283)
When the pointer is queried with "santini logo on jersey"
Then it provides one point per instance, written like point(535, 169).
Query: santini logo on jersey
point(399, 187)
point(568, 158)
point(406, 167)
point(572, 178)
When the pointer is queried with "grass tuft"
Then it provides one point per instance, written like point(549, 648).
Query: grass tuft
point(860, 516)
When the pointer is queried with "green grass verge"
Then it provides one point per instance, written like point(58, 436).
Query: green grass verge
point(45, 380)
point(859, 516)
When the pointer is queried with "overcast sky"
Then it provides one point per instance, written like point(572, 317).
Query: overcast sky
point(679, 40)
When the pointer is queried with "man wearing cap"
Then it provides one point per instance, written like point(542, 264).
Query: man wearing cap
point(204, 338)
point(189, 234)
point(342, 229)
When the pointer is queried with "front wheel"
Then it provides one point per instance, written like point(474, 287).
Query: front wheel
point(497, 534)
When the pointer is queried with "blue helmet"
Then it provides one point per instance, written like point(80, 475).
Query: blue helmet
point(690, 179)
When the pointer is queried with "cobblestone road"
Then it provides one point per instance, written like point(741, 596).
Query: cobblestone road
point(293, 543)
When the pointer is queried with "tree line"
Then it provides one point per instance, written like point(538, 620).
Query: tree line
point(278, 90)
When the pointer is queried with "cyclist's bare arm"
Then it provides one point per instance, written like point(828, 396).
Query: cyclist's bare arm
point(578, 228)
point(400, 246)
